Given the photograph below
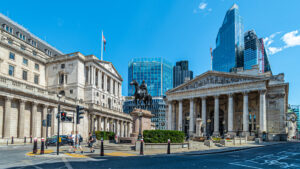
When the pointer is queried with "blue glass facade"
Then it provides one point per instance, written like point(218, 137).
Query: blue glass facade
point(228, 53)
point(157, 73)
point(296, 109)
point(158, 109)
point(255, 53)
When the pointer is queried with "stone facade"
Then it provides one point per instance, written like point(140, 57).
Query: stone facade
point(31, 78)
point(230, 103)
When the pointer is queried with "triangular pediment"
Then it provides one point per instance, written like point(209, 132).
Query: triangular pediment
point(215, 79)
point(110, 67)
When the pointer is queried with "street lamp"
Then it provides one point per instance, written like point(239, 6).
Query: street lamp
point(140, 114)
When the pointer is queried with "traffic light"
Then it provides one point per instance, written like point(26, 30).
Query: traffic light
point(78, 113)
point(49, 120)
point(63, 116)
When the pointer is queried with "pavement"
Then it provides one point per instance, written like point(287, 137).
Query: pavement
point(270, 155)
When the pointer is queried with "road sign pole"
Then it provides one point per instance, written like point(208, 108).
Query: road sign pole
point(58, 124)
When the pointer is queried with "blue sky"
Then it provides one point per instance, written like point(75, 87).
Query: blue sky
point(173, 29)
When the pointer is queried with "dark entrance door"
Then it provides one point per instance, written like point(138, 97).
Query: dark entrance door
point(211, 124)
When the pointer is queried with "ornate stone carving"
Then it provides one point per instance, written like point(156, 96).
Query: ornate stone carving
point(275, 96)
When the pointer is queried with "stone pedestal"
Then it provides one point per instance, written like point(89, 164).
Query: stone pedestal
point(143, 117)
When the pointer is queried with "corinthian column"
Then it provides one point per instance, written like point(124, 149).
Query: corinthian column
point(180, 116)
point(33, 120)
point(216, 117)
point(170, 116)
point(22, 119)
point(230, 114)
point(245, 115)
point(203, 114)
point(7, 117)
point(191, 125)
point(262, 112)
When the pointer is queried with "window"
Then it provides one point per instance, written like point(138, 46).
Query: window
point(25, 61)
point(23, 47)
point(33, 43)
point(11, 56)
point(34, 52)
point(10, 41)
point(37, 66)
point(24, 75)
point(21, 36)
point(11, 70)
point(71, 91)
point(8, 29)
point(62, 66)
point(36, 79)
point(61, 79)
point(48, 52)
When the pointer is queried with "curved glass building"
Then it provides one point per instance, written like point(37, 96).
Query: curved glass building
point(228, 53)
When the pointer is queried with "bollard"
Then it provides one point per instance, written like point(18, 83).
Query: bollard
point(24, 140)
point(101, 148)
point(34, 151)
point(30, 139)
point(42, 146)
point(142, 147)
point(12, 139)
point(169, 147)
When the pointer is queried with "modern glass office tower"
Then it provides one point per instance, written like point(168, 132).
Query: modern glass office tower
point(255, 53)
point(228, 53)
point(296, 109)
point(157, 73)
point(157, 108)
point(181, 73)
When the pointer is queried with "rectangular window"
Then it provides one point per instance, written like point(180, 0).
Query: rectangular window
point(61, 79)
point(24, 75)
point(11, 70)
point(21, 36)
point(10, 41)
point(62, 66)
point(23, 47)
point(37, 66)
point(33, 43)
point(25, 61)
point(36, 79)
point(8, 29)
point(34, 52)
point(11, 56)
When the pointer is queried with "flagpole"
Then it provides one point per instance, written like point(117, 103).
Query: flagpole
point(102, 46)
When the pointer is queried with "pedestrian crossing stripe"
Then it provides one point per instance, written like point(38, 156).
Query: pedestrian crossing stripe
point(119, 154)
point(76, 155)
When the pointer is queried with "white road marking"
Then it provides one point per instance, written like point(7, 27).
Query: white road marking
point(242, 165)
point(68, 165)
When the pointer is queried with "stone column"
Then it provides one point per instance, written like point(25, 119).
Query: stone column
point(180, 116)
point(129, 129)
point(121, 129)
point(100, 80)
point(53, 121)
point(216, 117)
point(191, 125)
point(100, 123)
point(245, 115)
point(203, 114)
point(105, 123)
point(262, 112)
point(170, 116)
point(230, 114)
point(89, 74)
point(125, 129)
point(22, 119)
point(116, 127)
point(33, 120)
point(7, 117)
point(44, 117)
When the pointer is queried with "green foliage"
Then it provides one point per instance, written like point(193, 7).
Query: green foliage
point(162, 136)
point(106, 135)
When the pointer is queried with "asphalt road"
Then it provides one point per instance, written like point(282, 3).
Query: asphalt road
point(275, 156)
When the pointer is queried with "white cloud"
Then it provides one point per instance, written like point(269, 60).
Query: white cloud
point(273, 50)
point(291, 39)
point(202, 5)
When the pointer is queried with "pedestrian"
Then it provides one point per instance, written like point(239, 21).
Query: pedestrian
point(78, 138)
point(91, 141)
point(72, 137)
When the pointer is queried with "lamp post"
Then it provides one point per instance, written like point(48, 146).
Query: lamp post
point(140, 114)
point(58, 123)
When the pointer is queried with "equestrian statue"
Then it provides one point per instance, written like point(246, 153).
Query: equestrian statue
point(141, 93)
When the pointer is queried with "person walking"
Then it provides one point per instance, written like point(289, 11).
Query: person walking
point(72, 137)
point(78, 138)
point(91, 141)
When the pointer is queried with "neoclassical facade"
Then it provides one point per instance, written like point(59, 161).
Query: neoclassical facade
point(32, 73)
point(243, 103)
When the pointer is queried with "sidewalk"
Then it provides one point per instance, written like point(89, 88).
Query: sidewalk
point(120, 150)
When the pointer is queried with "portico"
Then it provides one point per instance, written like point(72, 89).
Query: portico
point(227, 103)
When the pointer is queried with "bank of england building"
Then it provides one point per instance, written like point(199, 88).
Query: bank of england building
point(33, 73)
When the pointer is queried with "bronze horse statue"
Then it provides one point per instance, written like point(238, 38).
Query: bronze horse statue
point(141, 93)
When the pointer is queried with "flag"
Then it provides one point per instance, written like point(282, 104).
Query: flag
point(104, 41)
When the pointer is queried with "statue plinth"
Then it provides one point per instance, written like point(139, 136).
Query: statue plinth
point(143, 117)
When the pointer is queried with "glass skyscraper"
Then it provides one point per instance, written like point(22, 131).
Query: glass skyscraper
point(181, 73)
point(228, 53)
point(157, 73)
point(255, 52)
